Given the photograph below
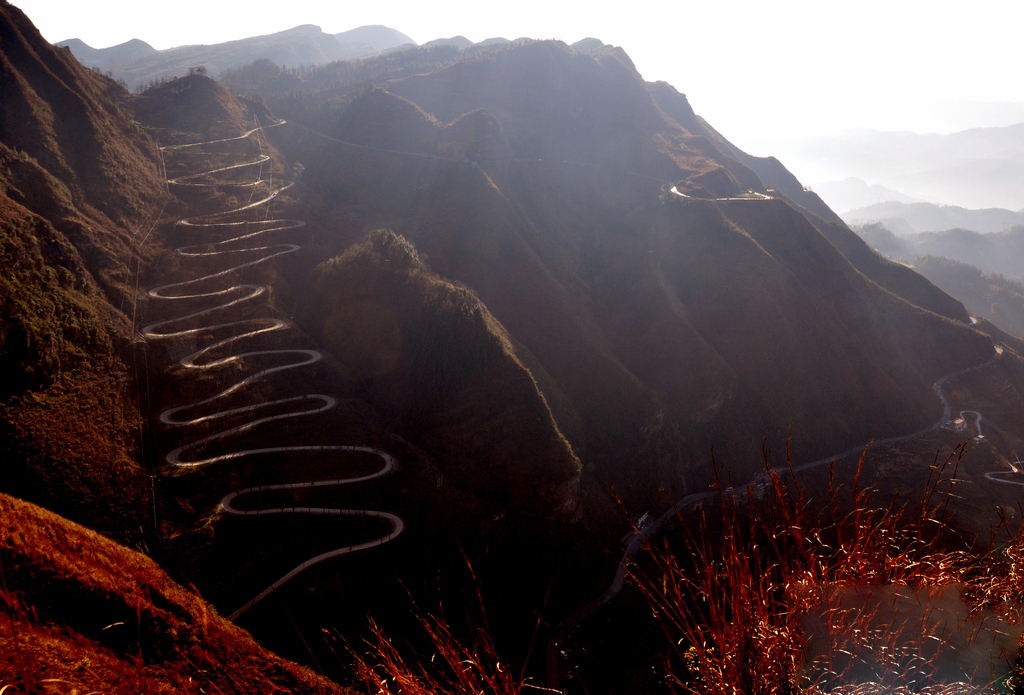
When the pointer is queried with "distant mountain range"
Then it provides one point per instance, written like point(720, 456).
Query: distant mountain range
point(137, 63)
point(977, 168)
point(912, 218)
point(996, 252)
point(983, 271)
point(852, 193)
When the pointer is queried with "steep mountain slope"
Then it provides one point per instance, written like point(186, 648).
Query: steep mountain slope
point(988, 296)
point(90, 614)
point(895, 278)
point(431, 354)
point(996, 252)
point(77, 181)
point(664, 325)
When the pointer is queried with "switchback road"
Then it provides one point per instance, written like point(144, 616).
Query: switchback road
point(221, 296)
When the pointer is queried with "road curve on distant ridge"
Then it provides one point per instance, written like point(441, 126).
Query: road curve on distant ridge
point(216, 288)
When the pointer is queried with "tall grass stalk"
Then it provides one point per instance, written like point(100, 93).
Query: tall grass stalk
point(753, 568)
point(457, 666)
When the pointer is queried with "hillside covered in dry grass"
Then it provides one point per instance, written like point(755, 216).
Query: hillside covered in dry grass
point(78, 183)
point(86, 614)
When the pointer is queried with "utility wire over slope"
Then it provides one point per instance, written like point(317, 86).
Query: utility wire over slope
point(244, 238)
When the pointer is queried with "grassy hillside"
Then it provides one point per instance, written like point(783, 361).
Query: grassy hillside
point(428, 351)
point(78, 184)
point(90, 615)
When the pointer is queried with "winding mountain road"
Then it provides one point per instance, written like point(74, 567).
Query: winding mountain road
point(644, 533)
point(216, 288)
point(752, 195)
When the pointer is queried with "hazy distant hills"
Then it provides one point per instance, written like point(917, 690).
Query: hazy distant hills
point(912, 218)
point(89, 56)
point(852, 193)
point(377, 35)
point(137, 63)
point(994, 252)
point(977, 168)
point(984, 271)
point(459, 42)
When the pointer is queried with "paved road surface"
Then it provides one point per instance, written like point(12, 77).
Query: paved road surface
point(193, 324)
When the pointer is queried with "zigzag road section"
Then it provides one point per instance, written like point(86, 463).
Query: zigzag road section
point(243, 237)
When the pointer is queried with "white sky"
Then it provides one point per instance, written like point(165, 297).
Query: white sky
point(763, 73)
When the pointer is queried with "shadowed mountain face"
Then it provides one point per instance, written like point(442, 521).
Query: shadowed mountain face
point(77, 180)
point(656, 326)
point(981, 270)
point(429, 352)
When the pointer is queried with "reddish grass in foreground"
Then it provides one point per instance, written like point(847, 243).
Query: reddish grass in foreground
point(736, 605)
point(755, 571)
point(80, 613)
point(457, 666)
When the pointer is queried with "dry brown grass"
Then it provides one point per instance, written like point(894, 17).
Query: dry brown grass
point(734, 604)
point(80, 613)
point(457, 665)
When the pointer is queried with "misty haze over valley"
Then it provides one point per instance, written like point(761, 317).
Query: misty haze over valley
point(338, 360)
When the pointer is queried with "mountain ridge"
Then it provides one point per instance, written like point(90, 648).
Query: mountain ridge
point(573, 167)
point(306, 44)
